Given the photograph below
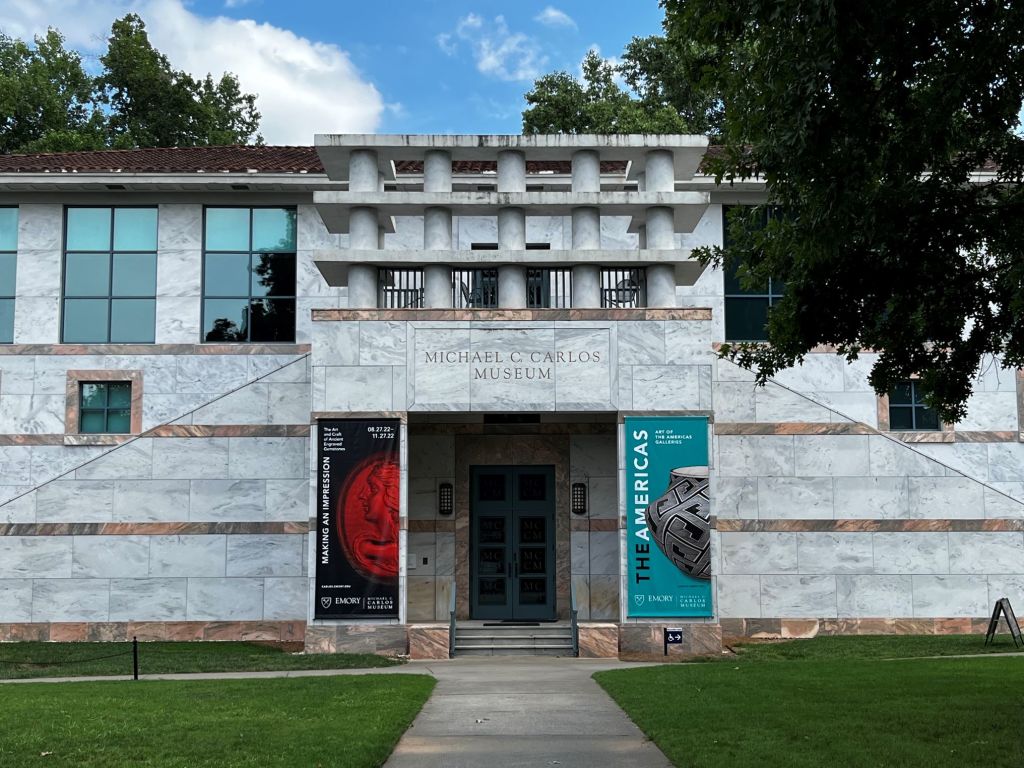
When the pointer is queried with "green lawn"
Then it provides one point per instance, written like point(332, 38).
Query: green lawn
point(833, 702)
point(350, 721)
point(83, 659)
point(873, 647)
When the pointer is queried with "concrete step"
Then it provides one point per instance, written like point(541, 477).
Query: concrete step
point(511, 650)
point(505, 640)
point(512, 642)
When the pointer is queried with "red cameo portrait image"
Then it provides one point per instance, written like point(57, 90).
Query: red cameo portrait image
point(367, 516)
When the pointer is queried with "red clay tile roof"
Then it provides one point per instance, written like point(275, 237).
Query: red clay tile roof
point(237, 159)
point(491, 166)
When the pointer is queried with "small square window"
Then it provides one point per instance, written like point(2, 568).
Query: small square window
point(908, 411)
point(105, 407)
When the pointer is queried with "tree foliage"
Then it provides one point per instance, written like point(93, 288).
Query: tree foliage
point(869, 123)
point(49, 103)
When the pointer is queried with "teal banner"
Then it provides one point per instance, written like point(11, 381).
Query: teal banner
point(669, 547)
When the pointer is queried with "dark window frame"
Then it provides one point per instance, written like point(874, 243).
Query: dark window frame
point(106, 409)
point(916, 406)
point(204, 297)
point(770, 296)
point(110, 253)
point(13, 295)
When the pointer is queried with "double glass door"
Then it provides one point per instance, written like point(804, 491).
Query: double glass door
point(512, 543)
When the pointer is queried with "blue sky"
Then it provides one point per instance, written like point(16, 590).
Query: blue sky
point(394, 66)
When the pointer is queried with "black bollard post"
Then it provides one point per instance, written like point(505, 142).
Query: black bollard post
point(135, 657)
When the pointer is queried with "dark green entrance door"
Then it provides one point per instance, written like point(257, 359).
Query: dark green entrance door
point(512, 536)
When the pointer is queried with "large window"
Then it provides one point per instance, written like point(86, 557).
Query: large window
point(8, 269)
point(746, 310)
point(907, 410)
point(105, 407)
point(249, 275)
point(110, 275)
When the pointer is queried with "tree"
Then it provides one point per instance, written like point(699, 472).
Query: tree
point(559, 103)
point(869, 123)
point(46, 98)
point(48, 102)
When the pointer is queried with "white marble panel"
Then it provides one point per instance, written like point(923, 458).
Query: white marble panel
point(202, 555)
point(279, 369)
point(16, 505)
point(16, 464)
point(104, 557)
point(734, 497)
point(147, 599)
point(871, 497)
point(602, 498)
point(31, 414)
point(213, 374)
point(180, 226)
point(666, 387)
point(267, 457)
point(17, 375)
point(474, 229)
point(751, 455)
point(773, 403)
point(859, 407)
point(855, 373)
point(729, 371)
point(367, 388)
point(70, 600)
point(544, 229)
point(264, 555)
point(1004, 502)
point(49, 461)
point(615, 233)
point(38, 272)
point(179, 272)
point(924, 552)
point(190, 458)
point(817, 373)
point(40, 225)
point(832, 455)
point(835, 552)
point(287, 499)
point(892, 458)
point(290, 403)
point(739, 597)
point(986, 552)
point(946, 497)
point(167, 409)
point(284, 599)
point(238, 599)
point(758, 553)
point(40, 557)
point(592, 455)
point(991, 411)
point(993, 377)
point(75, 501)
point(969, 459)
point(309, 281)
point(875, 596)
point(130, 461)
point(16, 600)
point(641, 342)
point(335, 344)
point(582, 381)
point(797, 597)
point(310, 230)
point(159, 372)
point(950, 596)
point(604, 553)
point(248, 405)
point(382, 343)
point(734, 401)
point(421, 546)
point(444, 559)
point(150, 500)
point(178, 320)
point(580, 553)
point(1006, 462)
point(423, 498)
point(1011, 587)
point(441, 385)
point(37, 320)
point(511, 369)
point(794, 497)
point(227, 500)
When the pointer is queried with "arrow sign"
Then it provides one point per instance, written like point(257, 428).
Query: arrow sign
point(673, 636)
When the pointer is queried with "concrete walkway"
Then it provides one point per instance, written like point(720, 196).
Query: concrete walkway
point(512, 712)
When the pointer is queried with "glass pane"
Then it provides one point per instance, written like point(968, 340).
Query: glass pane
point(900, 417)
point(134, 274)
point(916, 395)
point(273, 320)
point(532, 560)
point(532, 487)
point(93, 395)
point(8, 229)
point(6, 321)
point(225, 319)
point(226, 274)
point(227, 229)
point(135, 229)
point(533, 591)
point(900, 394)
point(87, 274)
point(733, 286)
point(119, 421)
point(133, 320)
point(491, 487)
point(92, 422)
point(119, 394)
point(491, 591)
point(492, 561)
point(273, 229)
point(492, 530)
point(88, 229)
point(8, 270)
point(85, 320)
point(532, 530)
point(926, 418)
point(745, 319)
point(273, 274)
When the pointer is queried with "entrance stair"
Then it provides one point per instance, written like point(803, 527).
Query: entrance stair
point(479, 638)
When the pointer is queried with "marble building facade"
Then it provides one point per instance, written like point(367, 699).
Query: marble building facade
point(195, 522)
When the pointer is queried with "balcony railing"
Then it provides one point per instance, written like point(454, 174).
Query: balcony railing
point(548, 288)
point(400, 288)
point(623, 288)
point(475, 288)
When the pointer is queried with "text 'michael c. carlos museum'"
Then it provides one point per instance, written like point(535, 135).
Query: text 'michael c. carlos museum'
point(378, 391)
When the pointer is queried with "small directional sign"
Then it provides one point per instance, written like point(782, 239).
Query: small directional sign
point(673, 636)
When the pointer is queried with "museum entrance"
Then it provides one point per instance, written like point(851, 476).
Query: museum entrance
point(512, 543)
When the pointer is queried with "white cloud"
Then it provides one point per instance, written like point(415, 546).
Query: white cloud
point(236, 3)
point(303, 87)
point(552, 17)
point(498, 52)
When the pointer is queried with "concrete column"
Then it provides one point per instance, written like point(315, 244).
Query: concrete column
point(362, 286)
point(661, 285)
point(586, 286)
point(641, 236)
point(437, 229)
point(586, 228)
point(363, 229)
point(660, 172)
point(437, 286)
point(511, 286)
point(363, 175)
point(512, 229)
point(641, 182)
point(437, 171)
point(586, 171)
point(660, 229)
point(511, 171)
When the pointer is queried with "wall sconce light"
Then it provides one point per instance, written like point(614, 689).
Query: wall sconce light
point(579, 498)
point(445, 499)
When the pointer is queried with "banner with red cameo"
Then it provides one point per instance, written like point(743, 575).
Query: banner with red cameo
point(359, 481)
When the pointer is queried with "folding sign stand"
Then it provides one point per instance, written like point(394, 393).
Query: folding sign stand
point(1003, 607)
